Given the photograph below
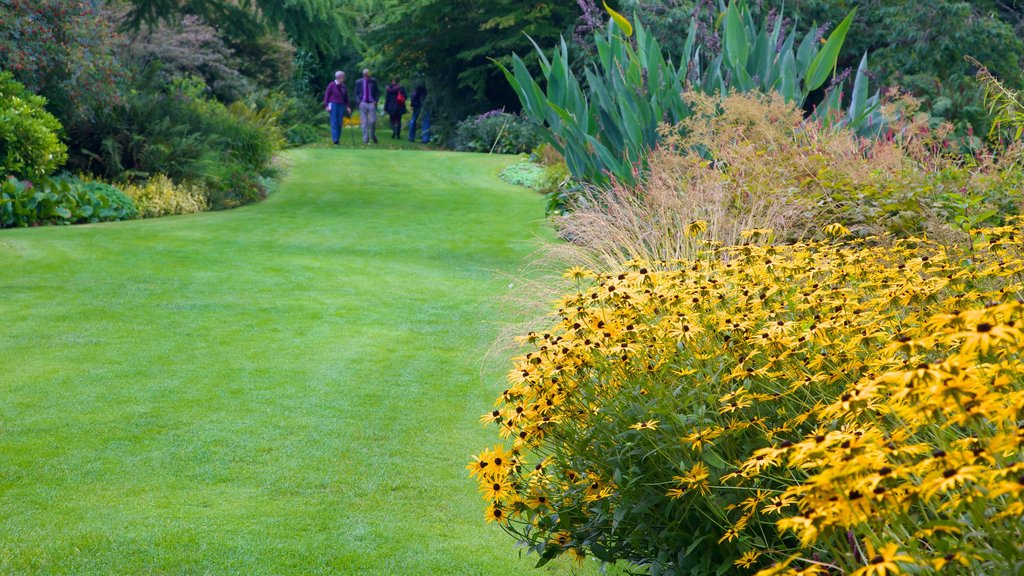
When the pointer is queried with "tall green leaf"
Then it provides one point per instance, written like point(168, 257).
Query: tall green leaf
point(736, 45)
point(825, 62)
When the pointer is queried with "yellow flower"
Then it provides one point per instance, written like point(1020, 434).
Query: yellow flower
point(696, 228)
point(578, 273)
point(495, 513)
point(748, 559)
point(835, 230)
point(984, 336)
point(496, 490)
point(729, 536)
point(945, 479)
point(886, 561)
point(648, 425)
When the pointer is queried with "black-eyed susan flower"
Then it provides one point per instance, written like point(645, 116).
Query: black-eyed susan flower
point(886, 561)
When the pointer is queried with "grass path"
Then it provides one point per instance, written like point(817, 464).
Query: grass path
point(286, 388)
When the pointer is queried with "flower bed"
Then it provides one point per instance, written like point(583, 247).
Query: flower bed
point(836, 406)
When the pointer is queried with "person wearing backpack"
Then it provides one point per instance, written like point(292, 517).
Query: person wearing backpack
point(394, 106)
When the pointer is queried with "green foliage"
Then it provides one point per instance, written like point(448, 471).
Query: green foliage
point(118, 204)
point(63, 50)
point(1005, 105)
point(497, 132)
point(311, 24)
point(236, 186)
point(300, 134)
point(449, 44)
point(188, 48)
point(61, 201)
point(920, 46)
point(605, 123)
point(187, 138)
point(29, 146)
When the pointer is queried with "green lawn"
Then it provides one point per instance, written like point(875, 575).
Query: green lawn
point(287, 388)
point(352, 136)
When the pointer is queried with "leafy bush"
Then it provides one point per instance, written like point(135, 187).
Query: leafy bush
point(29, 146)
point(160, 196)
point(188, 138)
point(300, 134)
point(186, 48)
point(63, 50)
point(236, 186)
point(496, 131)
point(830, 405)
point(120, 204)
point(61, 201)
point(605, 123)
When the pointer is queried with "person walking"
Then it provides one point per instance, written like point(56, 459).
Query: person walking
point(336, 103)
point(394, 105)
point(369, 95)
point(419, 94)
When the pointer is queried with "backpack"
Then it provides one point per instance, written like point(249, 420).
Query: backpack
point(400, 99)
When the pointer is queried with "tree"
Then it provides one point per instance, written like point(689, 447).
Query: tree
point(320, 26)
point(451, 44)
point(63, 50)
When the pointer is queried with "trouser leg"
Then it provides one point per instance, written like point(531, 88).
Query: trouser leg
point(412, 125)
point(426, 127)
point(372, 121)
point(365, 111)
point(337, 118)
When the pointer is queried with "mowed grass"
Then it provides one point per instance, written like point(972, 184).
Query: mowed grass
point(352, 136)
point(291, 387)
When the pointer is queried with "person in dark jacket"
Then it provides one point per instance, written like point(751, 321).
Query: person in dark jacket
point(369, 95)
point(336, 103)
point(394, 106)
point(419, 96)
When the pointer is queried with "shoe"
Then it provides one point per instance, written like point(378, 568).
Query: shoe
point(375, 140)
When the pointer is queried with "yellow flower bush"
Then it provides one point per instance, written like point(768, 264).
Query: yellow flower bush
point(160, 196)
point(840, 406)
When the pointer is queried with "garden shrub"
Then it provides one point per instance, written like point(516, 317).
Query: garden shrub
point(830, 406)
point(236, 186)
point(29, 145)
point(189, 47)
point(188, 138)
point(301, 134)
point(63, 50)
point(496, 131)
point(750, 161)
point(120, 204)
point(61, 201)
point(160, 196)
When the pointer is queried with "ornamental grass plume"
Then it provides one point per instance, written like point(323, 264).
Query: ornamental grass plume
point(839, 405)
